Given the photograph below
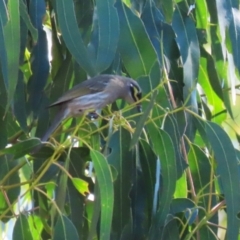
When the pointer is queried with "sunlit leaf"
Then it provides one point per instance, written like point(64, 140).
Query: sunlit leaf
point(81, 185)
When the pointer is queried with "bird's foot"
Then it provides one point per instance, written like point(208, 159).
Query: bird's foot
point(92, 115)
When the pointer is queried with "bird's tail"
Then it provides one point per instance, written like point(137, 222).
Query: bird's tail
point(60, 116)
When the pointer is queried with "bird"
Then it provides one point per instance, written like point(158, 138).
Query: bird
point(92, 95)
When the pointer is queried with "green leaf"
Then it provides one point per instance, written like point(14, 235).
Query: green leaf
point(203, 186)
point(181, 204)
point(168, 7)
point(3, 50)
point(164, 149)
point(181, 187)
point(80, 185)
point(201, 14)
point(188, 45)
point(234, 32)
point(142, 120)
point(71, 35)
point(39, 57)
point(63, 78)
point(35, 225)
point(171, 126)
point(148, 163)
point(153, 22)
point(104, 178)
point(24, 15)
point(19, 106)
point(134, 42)
point(21, 148)
point(171, 231)
point(225, 156)
point(121, 158)
point(8, 177)
point(77, 202)
point(21, 230)
point(208, 79)
point(12, 44)
point(3, 128)
point(108, 33)
point(64, 229)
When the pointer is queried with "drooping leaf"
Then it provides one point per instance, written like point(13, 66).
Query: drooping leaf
point(108, 33)
point(80, 185)
point(39, 55)
point(121, 158)
point(164, 149)
point(12, 44)
point(24, 15)
point(153, 22)
point(142, 120)
point(188, 46)
point(225, 156)
point(72, 36)
point(22, 148)
point(104, 179)
point(8, 178)
point(201, 175)
point(234, 33)
point(148, 162)
point(21, 229)
point(135, 43)
point(64, 229)
point(3, 50)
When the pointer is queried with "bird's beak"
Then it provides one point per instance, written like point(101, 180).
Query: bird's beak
point(139, 108)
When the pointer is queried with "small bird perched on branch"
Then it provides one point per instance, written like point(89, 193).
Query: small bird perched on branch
point(94, 94)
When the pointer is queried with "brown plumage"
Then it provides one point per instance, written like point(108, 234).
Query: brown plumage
point(94, 94)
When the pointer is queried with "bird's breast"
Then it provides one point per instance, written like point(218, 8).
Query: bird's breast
point(90, 102)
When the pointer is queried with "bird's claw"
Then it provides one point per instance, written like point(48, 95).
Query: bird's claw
point(92, 115)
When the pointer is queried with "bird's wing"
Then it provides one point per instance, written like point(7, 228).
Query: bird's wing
point(90, 86)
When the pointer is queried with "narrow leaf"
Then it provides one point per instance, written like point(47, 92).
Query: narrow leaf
point(188, 45)
point(234, 33)
point(153, 21)
point(104, 178)
point(226, 158)
point(71, 35)
point(227, 161)
point(12, 41)
point(21, 148)
point(80, 185)
point(3, 52)
point(64, 230)
point(21, 230)
point(135, 43)
point(39, 56)
point(108, 33)
point(142, 120)
point(24, 15)
point(164, 149)
point(121, 158)
point(203, 185)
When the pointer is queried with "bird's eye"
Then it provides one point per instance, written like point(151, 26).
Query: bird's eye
point(135, 92)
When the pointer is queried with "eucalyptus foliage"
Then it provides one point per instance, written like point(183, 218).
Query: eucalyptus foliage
point(170, 172)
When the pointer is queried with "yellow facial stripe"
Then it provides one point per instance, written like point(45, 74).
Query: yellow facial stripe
point(135, 93)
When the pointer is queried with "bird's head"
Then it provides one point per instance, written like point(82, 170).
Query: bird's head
point(134, 94)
